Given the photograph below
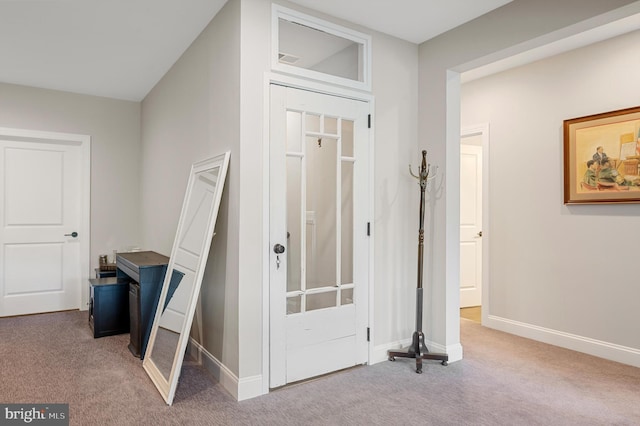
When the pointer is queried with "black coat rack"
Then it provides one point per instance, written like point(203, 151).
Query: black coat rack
point(418, 349)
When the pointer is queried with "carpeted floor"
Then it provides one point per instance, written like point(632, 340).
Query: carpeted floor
point(503, 380)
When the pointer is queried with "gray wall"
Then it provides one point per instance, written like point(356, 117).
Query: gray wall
point(511, 29)
point(114, 127)
point(568, 269)
point(396, 193)
point(192, 114)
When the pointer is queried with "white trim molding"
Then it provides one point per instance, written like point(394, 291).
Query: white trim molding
point(239, 388)
point(587, 345)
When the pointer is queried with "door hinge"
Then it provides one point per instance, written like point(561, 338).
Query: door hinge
point(368, 229)
point(369, 121)
point(368, 334)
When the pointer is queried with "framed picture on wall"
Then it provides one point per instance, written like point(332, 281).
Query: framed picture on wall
point(602, 158)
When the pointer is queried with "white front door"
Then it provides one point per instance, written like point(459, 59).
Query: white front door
point(471, 221)
point(319, 208)
point(40, 210)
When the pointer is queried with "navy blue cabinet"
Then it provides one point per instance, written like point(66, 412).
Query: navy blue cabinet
point(144, 273)
point(108, 306)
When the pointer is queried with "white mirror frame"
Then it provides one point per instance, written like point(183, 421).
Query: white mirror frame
point(167, 388)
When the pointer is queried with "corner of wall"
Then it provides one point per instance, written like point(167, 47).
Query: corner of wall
point(240, 389)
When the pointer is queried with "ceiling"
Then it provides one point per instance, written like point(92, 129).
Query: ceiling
point(412, 20)
point(121, 48)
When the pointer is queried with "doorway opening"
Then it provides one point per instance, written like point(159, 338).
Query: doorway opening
point(473, 144)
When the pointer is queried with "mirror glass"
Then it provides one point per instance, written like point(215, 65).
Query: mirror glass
point(181, 287)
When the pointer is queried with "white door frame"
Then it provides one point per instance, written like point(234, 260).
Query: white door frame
point(482, 130)
point(84, 142)
point(298, 83)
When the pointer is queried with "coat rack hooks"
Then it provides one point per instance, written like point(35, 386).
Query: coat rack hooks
point(424, 171)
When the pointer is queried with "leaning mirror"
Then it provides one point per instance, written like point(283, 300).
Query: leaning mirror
point(181, 287)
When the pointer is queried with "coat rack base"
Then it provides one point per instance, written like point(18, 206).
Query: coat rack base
point(419, 351)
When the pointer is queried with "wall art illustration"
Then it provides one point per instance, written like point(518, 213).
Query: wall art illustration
point(602, 158)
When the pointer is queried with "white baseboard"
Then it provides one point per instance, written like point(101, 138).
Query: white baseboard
point(454, 351)
point(240, 389)
point(250, 387)
point(380, 352)
point(611, 351)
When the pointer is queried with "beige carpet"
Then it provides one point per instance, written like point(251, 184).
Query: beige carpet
point(503, 380)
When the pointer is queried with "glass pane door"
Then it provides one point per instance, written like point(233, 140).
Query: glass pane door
point(319, 161)
point(319, 198)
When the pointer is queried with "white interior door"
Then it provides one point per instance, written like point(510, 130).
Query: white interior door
point(471, 221)
point(319, 263)
point(40, 209)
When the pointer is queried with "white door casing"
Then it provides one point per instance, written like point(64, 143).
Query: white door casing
point(44, 197)
point(471, 221)
point(318, 289)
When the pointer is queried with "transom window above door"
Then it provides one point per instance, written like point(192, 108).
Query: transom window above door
point(309, 47)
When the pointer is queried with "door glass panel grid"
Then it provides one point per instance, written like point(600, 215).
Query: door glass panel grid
point(299, 302)
point(325, 299)
point(294, 304)
point(346, 204)
point(346, 132)
point(313, 123)
point(346, 221)
point(317, 129)
point(295, 229)
point(346, 294)
point(320, 125)
point(296, 216)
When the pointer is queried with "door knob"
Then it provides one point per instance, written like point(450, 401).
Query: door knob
point(73, 234)
point(278, 249)
point(479, 234)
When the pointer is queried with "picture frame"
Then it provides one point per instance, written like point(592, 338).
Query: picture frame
point(602, 158)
